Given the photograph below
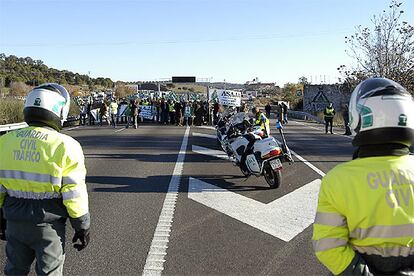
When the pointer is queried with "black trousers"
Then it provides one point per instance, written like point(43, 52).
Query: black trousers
point(347, 128)
point(328, 121)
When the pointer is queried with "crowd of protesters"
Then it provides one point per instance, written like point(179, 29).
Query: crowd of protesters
point(128, 112)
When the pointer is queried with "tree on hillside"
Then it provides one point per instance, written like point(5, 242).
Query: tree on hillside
point(34, 72)
point(385, 50)
point(289, 94)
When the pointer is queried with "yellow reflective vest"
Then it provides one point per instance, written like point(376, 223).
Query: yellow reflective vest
point(38, 163)
point(113, 107)
point(263, 122)
point(366, 206)
point(329, 112)
point(171, 107)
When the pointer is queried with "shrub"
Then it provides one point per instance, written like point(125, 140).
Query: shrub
point(19, 89)
point(11, 111)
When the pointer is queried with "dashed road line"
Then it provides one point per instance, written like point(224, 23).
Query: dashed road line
point(154, 265)
point(196, 134)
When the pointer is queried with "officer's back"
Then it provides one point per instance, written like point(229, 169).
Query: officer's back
point(42, 184)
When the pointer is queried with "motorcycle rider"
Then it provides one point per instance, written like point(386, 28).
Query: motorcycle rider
point(262, 121)
point(364, 223)
point(42, 183)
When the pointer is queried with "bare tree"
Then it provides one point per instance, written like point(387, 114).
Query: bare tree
point(122, 91)
point(385, 50)
point(19, 89)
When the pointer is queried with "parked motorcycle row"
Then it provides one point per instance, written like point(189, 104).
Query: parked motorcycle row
point(234, 133)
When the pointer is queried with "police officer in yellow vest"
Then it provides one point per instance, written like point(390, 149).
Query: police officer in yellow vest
point(42, 183)
point(365, 218)
point(261, 120)
point(329, 114)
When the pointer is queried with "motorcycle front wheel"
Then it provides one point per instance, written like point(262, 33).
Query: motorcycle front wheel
point(273, 178)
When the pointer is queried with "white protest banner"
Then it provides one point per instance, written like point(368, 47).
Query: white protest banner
point(95, 114)
point(212, 94)
point(146, 112)
point(122, 109)
point(187, 111)
point(229, 97)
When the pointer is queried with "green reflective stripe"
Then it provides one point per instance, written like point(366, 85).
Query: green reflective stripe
point(384, 231)
point(32, 195)
point(28, 176)
point(395, 251)
point(328, 243)
point(73, 180)
point(71, 195)
point(330, 219)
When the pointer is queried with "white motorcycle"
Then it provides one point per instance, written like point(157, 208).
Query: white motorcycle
point(265, 157)
point(229, 128)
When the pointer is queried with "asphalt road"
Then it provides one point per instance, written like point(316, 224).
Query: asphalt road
point(130, 170)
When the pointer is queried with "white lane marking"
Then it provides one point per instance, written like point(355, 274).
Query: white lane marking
point(154, 265)
point(206, 127)
point(204, 135)
point(72, 128)
point(309, 164)
point(283, 218)
point(209, 152)
point(119, 130)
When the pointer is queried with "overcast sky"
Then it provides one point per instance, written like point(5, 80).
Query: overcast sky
point(276, 41)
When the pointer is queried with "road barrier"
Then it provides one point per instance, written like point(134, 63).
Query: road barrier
point(6, 128)
point(304, 116)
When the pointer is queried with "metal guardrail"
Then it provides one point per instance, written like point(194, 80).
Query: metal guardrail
point(6, 128)
point(304, 116)
point(10, 127)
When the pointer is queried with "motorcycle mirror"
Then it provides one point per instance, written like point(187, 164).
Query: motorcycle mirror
point(279, 125)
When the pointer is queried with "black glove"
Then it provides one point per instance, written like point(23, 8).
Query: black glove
point(2, 226)
point(83, 237)
point(357, 267)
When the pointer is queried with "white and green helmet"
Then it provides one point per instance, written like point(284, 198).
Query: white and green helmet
point(48, 104)
point(381, 111)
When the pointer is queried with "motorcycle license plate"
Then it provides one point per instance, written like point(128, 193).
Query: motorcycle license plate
point(275, 164)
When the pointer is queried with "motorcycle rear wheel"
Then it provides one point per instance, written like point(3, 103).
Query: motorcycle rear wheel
point(273, 178)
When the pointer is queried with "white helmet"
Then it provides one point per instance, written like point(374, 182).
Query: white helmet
point(381, 111)
point(47, 103)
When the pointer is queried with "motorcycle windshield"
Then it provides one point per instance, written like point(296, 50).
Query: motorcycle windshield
point(238, 118)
